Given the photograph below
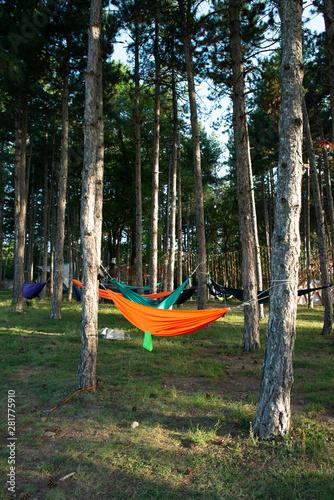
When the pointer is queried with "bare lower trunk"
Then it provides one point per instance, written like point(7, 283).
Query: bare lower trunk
point(251, 267)
point(179, 216)
point(91, 201)
point(46, 214)
point(155, 170)
point(326, 294)
point(53, 211)
point(31, 218)
point(308, 235)
point(326, 174)
point(329, 25)
point(2, 207)
point(139, 209)
point(55, 312)
point(70, 256)
point(266, 225)
point(20, 205)
point(273, 414)
point(173, 208)
point(199, 198)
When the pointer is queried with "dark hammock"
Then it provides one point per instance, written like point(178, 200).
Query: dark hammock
point(186, 295)
point(263, 297)
point(77, 293)
point(217, 295)
point(32, 290)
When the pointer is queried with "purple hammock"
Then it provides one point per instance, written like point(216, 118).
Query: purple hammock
point(32, 290)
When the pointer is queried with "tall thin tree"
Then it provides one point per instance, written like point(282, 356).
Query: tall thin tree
point(55, 312)
point(139, 208)
point(173, 188)
point(273, 414)
point(186, 23)
point(246, 201)
point(320, 220)
point(20, 201)
point(156, 162)
point(91, 200)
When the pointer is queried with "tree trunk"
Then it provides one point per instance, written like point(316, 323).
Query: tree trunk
point(70, 252)
point(199, 199)
point(326, 171)
point(91, 201)
point(139, 208)
point(165, 251)
point(308, 235)
point(273, 412)
point(329, 26)
point(155, 169)
point(247, 215)
point(55, 312)
point(266, 225)
point(173, 185)
point(20, 204)
point(2, 208)
point(319, 212)
point(53, 209)
point(46, 214)
point(31, 217)
point(179, 215)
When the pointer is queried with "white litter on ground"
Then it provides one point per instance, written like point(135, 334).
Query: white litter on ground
point(113, 334)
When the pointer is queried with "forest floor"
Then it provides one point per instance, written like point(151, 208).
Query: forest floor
point(194, 399)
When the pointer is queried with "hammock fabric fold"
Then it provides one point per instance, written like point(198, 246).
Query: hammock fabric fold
point(161, 322)
point(32, 290)
point(165, 323)
point(158, 295)
point(167, 302)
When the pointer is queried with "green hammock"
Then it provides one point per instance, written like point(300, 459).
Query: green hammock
point(146, 301)
point(132, 287)
point(130, 294)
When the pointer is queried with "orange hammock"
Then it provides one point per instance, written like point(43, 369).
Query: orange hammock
point(160, 322)
point(104, 295)
point(158, 295)
point(165, 323)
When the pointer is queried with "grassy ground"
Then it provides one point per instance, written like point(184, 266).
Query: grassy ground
point(194, 398)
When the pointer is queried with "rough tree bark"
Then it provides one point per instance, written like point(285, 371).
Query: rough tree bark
point(173, 189)
point(199, 198)
point(2, 207)
point(273, 412)
point(308, 233)
point(246, 202)
point(46, 213)
point(266, 223)
point(326, 173)
point(55, 312)
point(53, 209)
point(91, 200)
point(179, 215)
point(20, 203)
point(155, 168)
point(329, 26)
point(320, 219)
point(139, 209)
point(31, 215)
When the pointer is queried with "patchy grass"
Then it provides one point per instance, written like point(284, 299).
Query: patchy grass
point(194, 398)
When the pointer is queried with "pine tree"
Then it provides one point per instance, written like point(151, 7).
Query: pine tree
point(273, 413)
